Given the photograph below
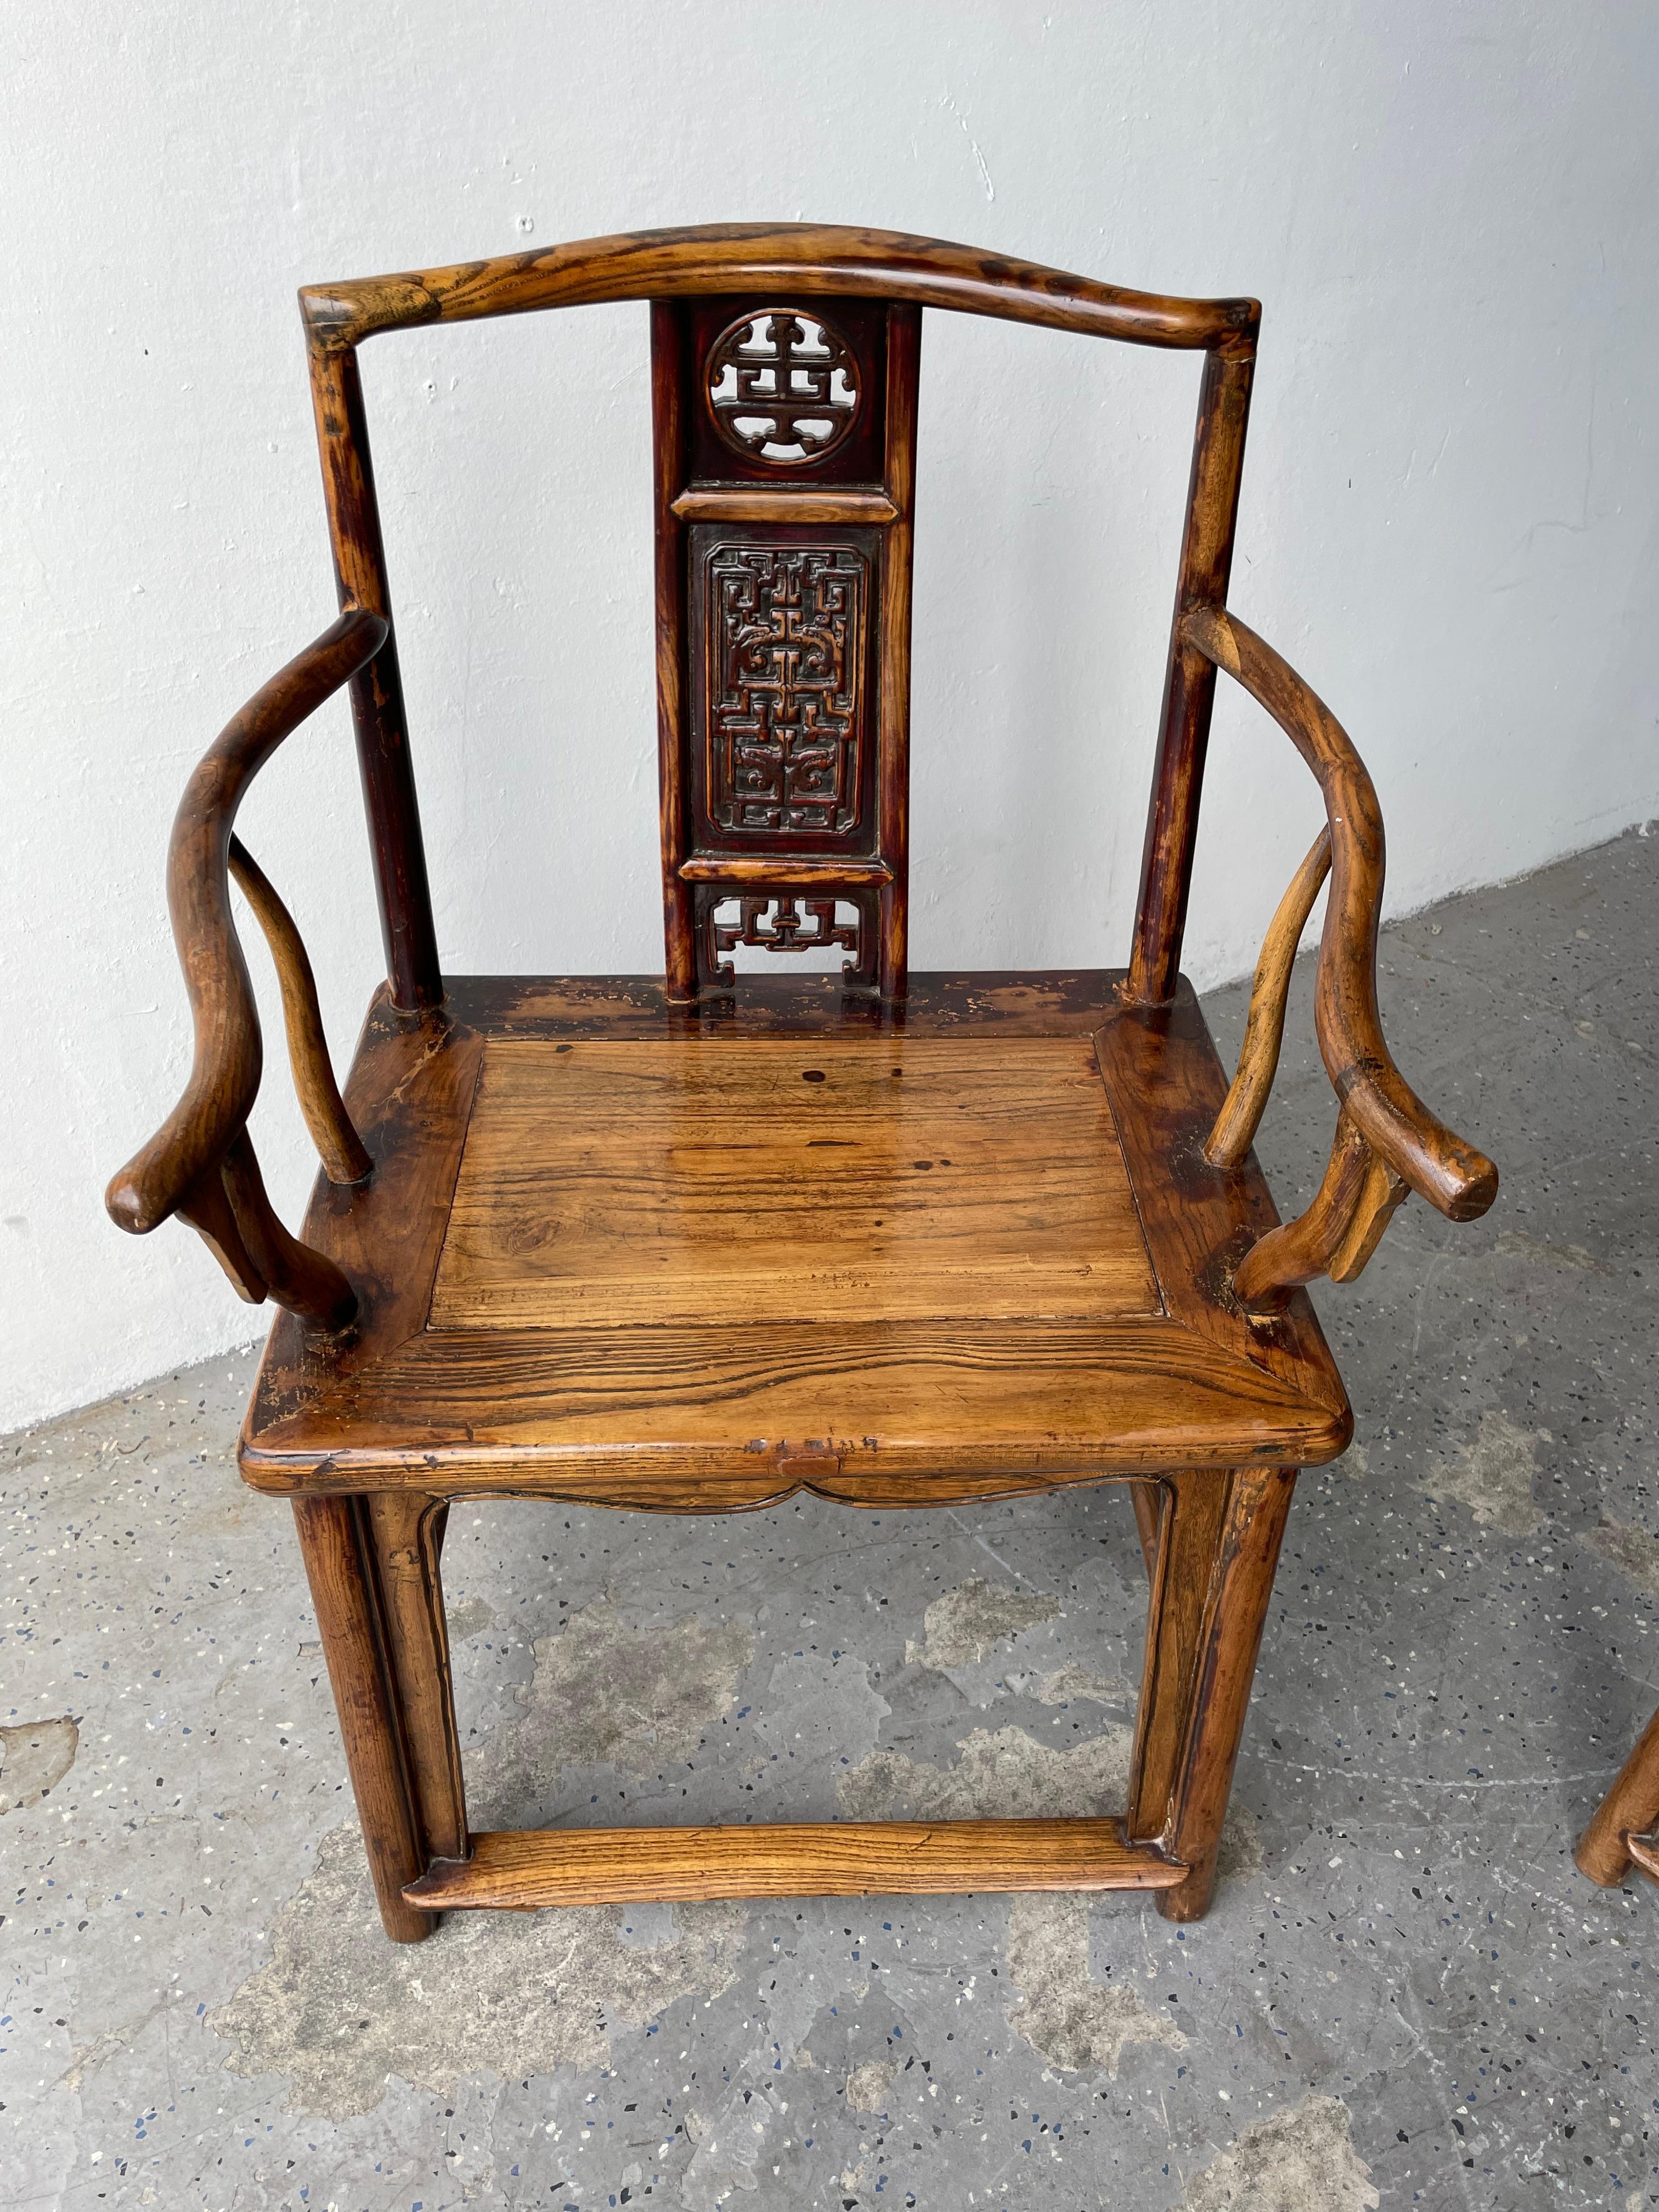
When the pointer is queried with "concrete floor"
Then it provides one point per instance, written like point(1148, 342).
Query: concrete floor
point(1404, 1994)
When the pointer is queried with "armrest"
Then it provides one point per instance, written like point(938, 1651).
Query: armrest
point(200, 1164)
point(1396, 1135)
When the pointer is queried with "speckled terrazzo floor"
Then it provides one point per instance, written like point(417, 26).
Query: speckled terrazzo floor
point(1403, 1995)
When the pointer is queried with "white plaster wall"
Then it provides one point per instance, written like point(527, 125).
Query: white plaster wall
point(1448, 210)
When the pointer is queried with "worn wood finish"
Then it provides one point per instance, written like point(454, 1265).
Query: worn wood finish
point(929, 1179)
point(332, 1544)
point(303, 1280)
point(1144, 1498)
point(1305, 1248)
point(1207, 560)
point(522, 1869)
point(1264, 1026)
point(903, 369)
point(405, 1533)
point(1452, 1175)
point(697, 1245)
point(1218, 1551)
point(1187, 1521)
point(783, 258)
point(739, 1406)
point(1380, 1197)
point(669, 372)
point(338, 1146)
point(224, 1077)
point(797, 503)
point(203, 1143)
point(1620, 1831)
point(805, 872)
point(783, 630)
point(377, 690)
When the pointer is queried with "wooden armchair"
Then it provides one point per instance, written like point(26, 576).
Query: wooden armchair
point(691, 1246)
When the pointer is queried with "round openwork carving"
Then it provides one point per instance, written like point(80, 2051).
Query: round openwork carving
point(782, 386)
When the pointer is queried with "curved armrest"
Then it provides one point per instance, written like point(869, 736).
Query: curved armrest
point(1387, 1139)
point(1460, 1182)
point(199, 1162)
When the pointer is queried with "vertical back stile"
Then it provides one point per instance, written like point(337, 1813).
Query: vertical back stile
point(903, 368)
point(1207, 560)
point(377, 692)
point(668, 443)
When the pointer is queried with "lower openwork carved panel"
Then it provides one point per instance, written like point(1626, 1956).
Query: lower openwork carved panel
point(776, 922)
point(784, 707)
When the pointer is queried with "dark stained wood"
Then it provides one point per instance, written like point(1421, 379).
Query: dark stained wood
point(303, 1280)
point(1207, 560)
point(207, 1208)
point(784, 258)
point(783, 630)
point(520, 1869)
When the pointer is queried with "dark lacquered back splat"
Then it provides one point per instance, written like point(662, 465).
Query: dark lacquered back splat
point(785, 474)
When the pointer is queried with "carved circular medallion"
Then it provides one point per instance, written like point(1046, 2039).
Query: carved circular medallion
point(782, 386)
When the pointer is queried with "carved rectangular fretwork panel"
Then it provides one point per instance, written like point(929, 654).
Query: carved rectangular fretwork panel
point(786, 450)
point(783, 704)
point(778, 922)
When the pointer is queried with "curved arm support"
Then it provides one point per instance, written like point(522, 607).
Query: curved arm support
point(1304, 1248)
point(199, 1163)
point(1460, 1182)
point(1242, 1110)
point(338, 1146)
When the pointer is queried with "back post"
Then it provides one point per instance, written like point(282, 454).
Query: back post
point(377, 691)
point(1207, 560)
point(784, 429)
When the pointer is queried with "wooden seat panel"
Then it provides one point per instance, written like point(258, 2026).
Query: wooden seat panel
point(752, 1180)
point(607, 1253)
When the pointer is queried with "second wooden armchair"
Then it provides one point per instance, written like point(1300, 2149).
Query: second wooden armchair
point(689, 1246)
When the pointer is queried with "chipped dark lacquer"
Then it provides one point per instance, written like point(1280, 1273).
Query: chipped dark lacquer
point(695, 1244)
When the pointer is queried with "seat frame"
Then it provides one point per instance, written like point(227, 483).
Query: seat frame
point(784, 514)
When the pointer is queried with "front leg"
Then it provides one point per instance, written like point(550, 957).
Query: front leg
point(1218, 1540)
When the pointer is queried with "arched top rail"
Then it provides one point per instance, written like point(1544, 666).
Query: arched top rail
point(888, 264)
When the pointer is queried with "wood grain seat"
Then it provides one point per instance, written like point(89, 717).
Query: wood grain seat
point(622, 1253)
